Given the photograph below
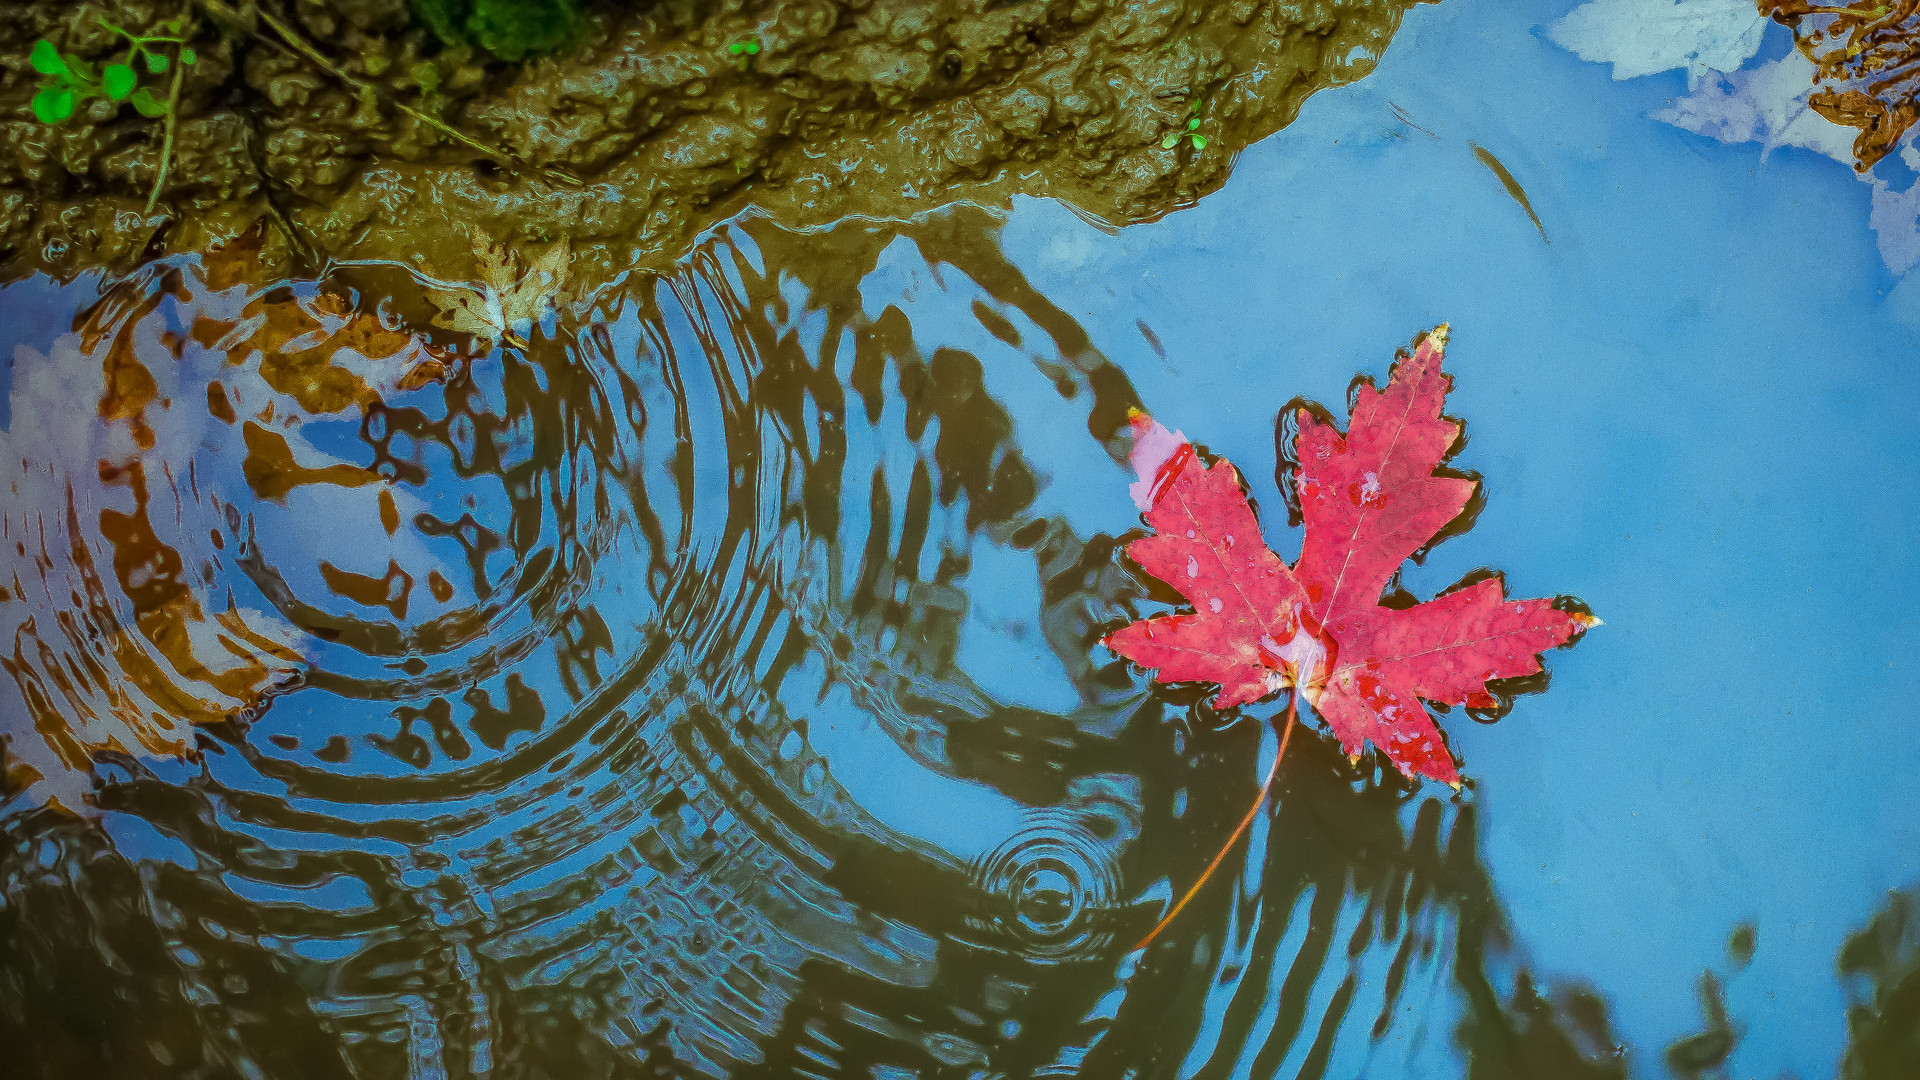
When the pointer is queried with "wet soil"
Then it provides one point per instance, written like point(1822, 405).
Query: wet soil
point(647, 129)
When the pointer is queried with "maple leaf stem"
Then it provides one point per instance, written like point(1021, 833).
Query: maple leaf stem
point(1273, 771)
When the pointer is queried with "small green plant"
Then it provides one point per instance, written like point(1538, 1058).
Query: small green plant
point(67, 81)
point(141, 46)
point(1191, 131)
point(743, 52)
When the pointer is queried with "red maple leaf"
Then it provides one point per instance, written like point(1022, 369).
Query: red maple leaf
point(1370, 500)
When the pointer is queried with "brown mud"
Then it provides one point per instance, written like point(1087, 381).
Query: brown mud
point(645, 130)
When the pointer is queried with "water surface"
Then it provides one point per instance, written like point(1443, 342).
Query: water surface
point(711, 686)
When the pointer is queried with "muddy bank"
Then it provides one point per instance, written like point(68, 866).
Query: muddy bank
point(650, 124)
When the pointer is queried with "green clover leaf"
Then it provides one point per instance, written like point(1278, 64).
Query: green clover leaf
point(156, 63)
point(53, 104)
point(47, 60)
point(188, 56)
point(148, 105)
point(119, 81)
point(1199, 142)
point(1170, 141)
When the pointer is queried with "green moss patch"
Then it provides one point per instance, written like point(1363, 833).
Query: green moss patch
point(509, 29)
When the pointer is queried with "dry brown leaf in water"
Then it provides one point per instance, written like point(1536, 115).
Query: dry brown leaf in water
point(1867, 61)
point(508, 301)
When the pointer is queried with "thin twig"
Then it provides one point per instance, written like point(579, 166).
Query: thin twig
point(1286, 734)
point(303, 252)
point(291, 39)
point(166, 141)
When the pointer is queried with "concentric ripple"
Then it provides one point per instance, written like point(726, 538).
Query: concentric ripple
point(1053, 889)
point(708, 687)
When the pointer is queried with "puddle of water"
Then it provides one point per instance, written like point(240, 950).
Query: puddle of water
point(1690, 411)
point(710, 687)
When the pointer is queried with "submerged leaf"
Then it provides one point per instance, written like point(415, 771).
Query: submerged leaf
point(1641, 37)
point(508, 302)
point(1370, 499)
